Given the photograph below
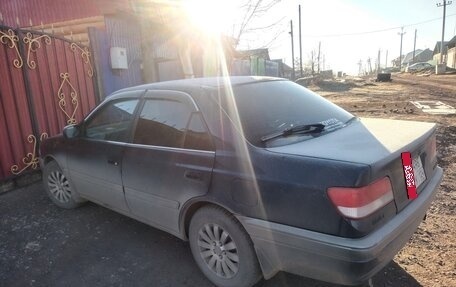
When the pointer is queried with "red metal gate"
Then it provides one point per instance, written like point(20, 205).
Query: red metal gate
point(46, 82)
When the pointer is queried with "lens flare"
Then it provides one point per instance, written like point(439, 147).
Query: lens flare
point(208, 16)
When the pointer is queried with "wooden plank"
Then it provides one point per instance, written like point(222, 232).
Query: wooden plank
point(81, 37)
point(69, 23)
point(75, 29)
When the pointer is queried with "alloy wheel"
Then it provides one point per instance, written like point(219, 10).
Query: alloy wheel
point(59, 186)
point(218, 250)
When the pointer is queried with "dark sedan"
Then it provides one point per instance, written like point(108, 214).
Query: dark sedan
point(260, 175)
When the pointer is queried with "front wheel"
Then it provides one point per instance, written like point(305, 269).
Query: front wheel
point(58, 187)
point(222, 249)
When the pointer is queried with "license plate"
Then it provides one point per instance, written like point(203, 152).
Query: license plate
point(414, 174)
point(420, 175)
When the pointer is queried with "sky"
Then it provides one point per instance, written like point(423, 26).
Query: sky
point(330, 21)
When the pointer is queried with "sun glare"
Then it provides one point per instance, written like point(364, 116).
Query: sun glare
point(209, 16)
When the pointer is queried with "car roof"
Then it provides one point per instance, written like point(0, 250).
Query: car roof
point(420, 63)
point(190, 84)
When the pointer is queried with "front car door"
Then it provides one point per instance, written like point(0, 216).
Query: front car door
point(169, 161)
point(95, 157)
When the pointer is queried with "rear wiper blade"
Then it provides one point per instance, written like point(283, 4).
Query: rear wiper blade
point(302, 129)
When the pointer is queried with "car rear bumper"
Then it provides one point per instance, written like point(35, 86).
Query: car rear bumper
point(336, 259)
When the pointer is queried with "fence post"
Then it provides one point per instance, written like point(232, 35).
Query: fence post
point(28, 91)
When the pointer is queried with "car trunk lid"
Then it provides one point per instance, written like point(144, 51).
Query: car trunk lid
point(379, 144)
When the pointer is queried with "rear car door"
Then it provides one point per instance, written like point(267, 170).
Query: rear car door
point(169, 161)
point(94, 158)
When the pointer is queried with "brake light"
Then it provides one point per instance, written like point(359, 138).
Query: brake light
point(360, 202)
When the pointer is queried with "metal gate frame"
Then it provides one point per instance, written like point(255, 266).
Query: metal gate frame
point(56, 86)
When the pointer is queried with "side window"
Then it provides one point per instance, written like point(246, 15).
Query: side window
point(162, 123)
point(112, 122)
point(170, 123)
point(196, 136)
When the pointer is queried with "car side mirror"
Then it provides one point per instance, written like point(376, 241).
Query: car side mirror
point(71, 131)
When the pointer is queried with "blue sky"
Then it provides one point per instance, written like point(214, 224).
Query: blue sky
point(330, 17)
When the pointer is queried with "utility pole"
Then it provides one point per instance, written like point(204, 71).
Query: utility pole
point(360, 67)
point(400, 53)
point(386, 59)
point(318, 59)
point(378, 61)
point(300, 43)
point(444, 4)
point(369, 65)
point(414, 49)
point(313, 63)
point(292, 51)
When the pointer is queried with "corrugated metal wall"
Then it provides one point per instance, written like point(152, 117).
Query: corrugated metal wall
point(51, 11)
point(162, 47)
point(15, 118)
point(124, 32)
point(46, 84)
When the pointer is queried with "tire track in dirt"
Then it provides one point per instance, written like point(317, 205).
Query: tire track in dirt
point(446, 84)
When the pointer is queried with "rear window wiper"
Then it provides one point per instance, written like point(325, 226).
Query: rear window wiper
point(301, 129)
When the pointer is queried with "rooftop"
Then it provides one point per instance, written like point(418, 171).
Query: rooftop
point(211, 82)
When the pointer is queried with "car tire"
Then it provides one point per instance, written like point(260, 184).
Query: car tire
point(222, 248)
point(59, 188)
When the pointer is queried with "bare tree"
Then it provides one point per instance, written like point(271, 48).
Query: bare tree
point(251, 21)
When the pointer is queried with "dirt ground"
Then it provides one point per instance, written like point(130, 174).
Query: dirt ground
point(43, 245)
point(430, 256)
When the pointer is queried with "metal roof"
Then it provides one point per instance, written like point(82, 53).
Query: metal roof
point(34, 12)
point(452, 42)
point(438, 46)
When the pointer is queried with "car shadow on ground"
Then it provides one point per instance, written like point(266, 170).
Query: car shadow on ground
point(391, 276)
point(43, 245)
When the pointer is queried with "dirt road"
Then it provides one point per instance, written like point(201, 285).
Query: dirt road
point(444, 85)
point(430, 256)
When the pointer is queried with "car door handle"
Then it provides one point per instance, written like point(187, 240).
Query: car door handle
point(113, 162)
point(195, 175)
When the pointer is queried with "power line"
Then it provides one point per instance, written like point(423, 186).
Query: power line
point(292, 50)
point(376, 31)
point(277, 35)
point(400, 53)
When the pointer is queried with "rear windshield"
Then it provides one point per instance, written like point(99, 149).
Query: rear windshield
point(268, 107)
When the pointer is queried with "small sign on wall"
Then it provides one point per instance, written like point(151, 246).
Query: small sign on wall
point(119, 58)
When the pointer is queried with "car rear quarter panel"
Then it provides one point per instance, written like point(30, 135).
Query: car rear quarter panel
point(288, 189)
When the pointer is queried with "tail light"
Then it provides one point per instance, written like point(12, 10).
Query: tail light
point(356, 203)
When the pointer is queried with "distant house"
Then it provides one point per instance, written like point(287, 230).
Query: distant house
point(436, 53)
point(248, 54)
point(255, 62)
point(285, 71)
point(420, 56)
point(408, 58)
point(424, 56)
point(451, 54)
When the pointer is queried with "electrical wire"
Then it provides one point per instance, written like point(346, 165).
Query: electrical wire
point(376, 31)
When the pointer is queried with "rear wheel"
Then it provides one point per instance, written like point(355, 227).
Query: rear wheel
point(222, 249)
point(58, 187)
